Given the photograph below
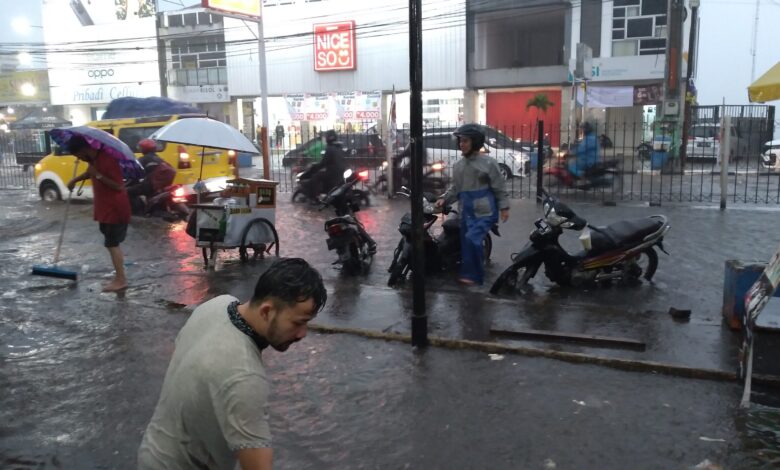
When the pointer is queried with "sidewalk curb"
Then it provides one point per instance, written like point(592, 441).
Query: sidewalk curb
point(578, 358)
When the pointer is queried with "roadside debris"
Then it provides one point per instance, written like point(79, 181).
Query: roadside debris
point(680, 315)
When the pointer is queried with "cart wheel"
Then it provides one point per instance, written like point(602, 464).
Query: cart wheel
point(248, 227)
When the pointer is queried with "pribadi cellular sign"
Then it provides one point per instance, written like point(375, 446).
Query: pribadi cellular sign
point(334, 46)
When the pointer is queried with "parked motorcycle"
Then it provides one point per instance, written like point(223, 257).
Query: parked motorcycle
point(622, 251)
point(346, 234)
point(435, 179)
point(304, 179)
point(442, 250)
point(601, 175)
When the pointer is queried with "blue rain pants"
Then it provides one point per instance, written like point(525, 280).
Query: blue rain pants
point(473, 230)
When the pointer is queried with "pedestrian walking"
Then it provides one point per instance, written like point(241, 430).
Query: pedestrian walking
point(111, 204)
point(279, 131)
point(213, 407)
point(479, 188)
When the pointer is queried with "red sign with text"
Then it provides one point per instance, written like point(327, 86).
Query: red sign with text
point(334, 46)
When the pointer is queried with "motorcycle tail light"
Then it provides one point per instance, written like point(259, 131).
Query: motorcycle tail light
point(363, 175)
point(184, 158)
point(178, 195)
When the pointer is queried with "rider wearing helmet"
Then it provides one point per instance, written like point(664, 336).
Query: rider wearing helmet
point(330, 170)
point(158, 173)
point(479, 188)
point(587, 152)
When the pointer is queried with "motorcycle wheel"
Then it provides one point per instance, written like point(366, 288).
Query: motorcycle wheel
point(512, 279)
point(487, 248)
point(646, 263)
point(299, 196)
point(398, 268)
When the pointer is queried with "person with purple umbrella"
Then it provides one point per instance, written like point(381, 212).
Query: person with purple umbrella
point(111, 204)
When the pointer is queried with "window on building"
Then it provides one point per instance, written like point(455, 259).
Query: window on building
point(639, 27)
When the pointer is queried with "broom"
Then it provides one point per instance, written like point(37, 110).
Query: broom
point(52, 270)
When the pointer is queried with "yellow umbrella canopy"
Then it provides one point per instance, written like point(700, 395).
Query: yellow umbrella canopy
point(767, 87)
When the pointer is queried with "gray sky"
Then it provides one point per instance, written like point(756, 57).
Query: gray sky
point(724, 48)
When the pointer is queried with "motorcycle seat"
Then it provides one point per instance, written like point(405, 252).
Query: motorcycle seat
point(348, 219)
point(625, 232)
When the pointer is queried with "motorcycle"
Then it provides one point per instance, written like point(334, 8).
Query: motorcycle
point(442, 251)
point(346, 234)
point(170, 204)
point(305, 179)
point(601, 175)
point(610, 253)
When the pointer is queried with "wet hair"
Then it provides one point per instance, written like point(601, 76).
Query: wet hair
point(77, 143)
point(291, 281)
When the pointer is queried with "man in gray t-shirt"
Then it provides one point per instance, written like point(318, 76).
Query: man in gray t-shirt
point(212, 410)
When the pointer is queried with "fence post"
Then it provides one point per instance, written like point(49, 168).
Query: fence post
point(539, 162)
point(725, 146)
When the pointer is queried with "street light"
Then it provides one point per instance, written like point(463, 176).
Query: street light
point(24, 58)
point(20, 25)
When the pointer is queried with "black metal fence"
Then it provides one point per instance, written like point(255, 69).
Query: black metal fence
point(636, 161)
point(19, 151)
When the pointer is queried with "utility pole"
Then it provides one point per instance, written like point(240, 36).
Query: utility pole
point(419, 316)
point(162, 55)
point(692, 48)
point(754, 45)
point(670, 121)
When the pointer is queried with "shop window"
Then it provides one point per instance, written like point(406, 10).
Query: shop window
point(618, 34)
point(618, 24)
point(660, 31)
point(190, 19)
point(619, 13)
point(175, 20)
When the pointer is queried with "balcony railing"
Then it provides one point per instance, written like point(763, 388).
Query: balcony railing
point(205, 76)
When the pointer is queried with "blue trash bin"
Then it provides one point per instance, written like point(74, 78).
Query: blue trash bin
point(658, 159)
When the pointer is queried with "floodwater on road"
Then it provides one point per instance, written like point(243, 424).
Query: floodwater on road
point(80, 371)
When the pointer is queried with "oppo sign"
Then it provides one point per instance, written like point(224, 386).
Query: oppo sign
point(334, 46)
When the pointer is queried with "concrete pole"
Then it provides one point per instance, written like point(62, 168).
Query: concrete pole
point(725, 145)
point(263, 98)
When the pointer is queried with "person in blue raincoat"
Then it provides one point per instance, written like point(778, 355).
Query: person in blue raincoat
point(479, 188)
point(587, 152)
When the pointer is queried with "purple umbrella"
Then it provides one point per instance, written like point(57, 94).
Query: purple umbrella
point(101, 140)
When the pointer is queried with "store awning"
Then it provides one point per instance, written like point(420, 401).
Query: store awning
point(767, 87)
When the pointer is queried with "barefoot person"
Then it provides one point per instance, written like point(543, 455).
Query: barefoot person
point(112, 206)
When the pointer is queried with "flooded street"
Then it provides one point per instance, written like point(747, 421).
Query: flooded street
point(81, 371)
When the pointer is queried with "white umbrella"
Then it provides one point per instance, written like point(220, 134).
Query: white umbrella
point(205, 132)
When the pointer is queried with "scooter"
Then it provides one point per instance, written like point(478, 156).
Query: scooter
point(622, 251)
point(346, 234)
point(304, 179)
point(442, 251)
point(170, 204)
point(601, 175)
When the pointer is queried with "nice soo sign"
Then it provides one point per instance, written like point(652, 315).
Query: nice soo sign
point(334, 46)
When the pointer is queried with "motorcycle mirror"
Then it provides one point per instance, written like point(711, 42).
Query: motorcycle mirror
point(347, 173)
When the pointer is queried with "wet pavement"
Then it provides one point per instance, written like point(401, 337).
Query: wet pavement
point(81, 370)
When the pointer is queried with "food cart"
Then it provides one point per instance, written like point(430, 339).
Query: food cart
point(242, 218)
